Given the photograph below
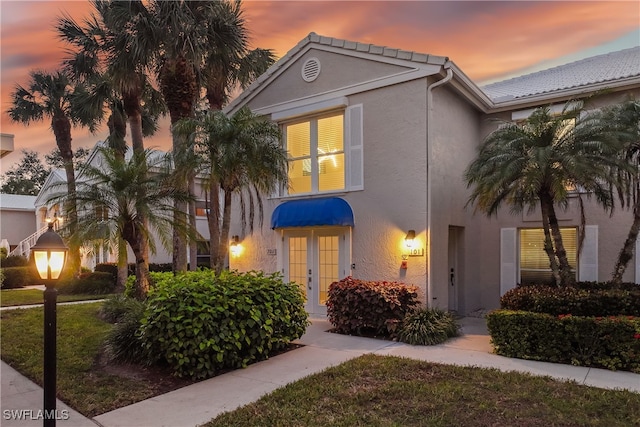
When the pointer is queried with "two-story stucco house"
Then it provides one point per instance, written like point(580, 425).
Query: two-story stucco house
point(378, 141)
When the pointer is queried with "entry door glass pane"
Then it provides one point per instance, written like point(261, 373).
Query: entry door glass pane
point(328, 265)
point(298, 262)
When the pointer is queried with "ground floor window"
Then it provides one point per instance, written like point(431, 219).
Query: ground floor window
point(534, 262)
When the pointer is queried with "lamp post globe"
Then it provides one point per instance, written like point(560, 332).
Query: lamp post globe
point(50, 255)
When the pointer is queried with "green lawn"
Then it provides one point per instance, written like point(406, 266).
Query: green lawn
point(368, 391)
point(389, 391)
point(10, 297)
point(82, 383)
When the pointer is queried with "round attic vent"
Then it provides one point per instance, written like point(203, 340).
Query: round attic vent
point(310, 69)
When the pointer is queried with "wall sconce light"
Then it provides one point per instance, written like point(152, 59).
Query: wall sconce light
point(235, 247)
point(409, 241)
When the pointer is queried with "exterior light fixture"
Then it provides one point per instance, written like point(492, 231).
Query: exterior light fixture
point(235, 247)
point(410, 239)
point(50, 255)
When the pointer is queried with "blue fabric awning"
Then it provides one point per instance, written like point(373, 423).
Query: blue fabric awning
point(312, 212)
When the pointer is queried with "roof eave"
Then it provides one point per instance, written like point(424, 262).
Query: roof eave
point(566, 94)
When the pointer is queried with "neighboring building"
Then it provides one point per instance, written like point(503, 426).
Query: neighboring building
point(17, 219)
point(6, 144)
point(378, 140)
point(92, 255)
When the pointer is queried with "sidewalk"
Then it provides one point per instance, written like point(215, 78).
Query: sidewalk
point(198, 403)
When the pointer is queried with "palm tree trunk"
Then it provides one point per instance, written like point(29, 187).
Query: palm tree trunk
point(123, 267)
point(61, 126)
point(548, 244)
point(223, 247)
point(193, 243)
point(213, 220)
point(626, 253)
point(142, 266)
point(567, 278)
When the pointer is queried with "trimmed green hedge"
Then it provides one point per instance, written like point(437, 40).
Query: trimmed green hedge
point(603, 342)
point(587, 299)
point(361, 308)
point(14, 261)
point(96, 283)
point(199, 323)
point(17, 277)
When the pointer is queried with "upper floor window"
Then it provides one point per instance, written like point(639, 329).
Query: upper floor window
point(316, 150)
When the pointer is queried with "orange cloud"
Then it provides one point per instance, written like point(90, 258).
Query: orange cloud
point(485, 39)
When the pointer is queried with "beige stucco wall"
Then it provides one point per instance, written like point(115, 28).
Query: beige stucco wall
point(337, 71)
point(394, 197)
point(453, 138)
point(16, 225)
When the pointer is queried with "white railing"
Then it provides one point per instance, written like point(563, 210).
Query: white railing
point(24, 247)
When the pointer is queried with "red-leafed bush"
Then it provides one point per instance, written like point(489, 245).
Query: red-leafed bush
point(363, 308)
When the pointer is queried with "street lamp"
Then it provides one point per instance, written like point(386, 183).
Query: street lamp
point(50, 254)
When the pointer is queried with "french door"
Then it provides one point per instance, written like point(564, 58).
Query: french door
point(315, 258)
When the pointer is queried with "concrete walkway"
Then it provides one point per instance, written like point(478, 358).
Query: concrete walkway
point(198, 403)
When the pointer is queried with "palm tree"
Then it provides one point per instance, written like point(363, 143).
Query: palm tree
point(52, 95)
point(130, 200)
point(625, 118)
point(228, 64)
point(116, 45)
point(544, 161)
point(112, 51)
point(245, 157)
point(180, 47)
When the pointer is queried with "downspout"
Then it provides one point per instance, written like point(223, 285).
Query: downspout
point(446, 79)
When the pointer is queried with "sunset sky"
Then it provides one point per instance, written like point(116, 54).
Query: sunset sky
point(489, 41)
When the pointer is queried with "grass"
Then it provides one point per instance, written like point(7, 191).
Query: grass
point(390, 391)
point(81, 383)
point(11, 297)
point(368, 391)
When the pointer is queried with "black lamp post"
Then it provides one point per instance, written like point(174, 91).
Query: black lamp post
point(50, 254)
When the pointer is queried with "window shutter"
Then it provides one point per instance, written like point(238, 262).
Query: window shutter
point(353, 147)
point(589, 255)
point(508, 257)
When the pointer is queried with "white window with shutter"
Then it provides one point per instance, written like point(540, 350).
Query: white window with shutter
point(534, 261)
point(325, 152)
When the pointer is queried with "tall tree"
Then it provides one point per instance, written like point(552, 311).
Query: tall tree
point(625, 118)
point(113, 51)
point(26, 177)
point(228, 64)
point(245, 157)
point(121, 200)
point(181, 45)
point(544, 160)
point(52, 95)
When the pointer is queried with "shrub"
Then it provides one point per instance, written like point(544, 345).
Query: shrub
point(199, 323)
point(605, 342)
point(110, 268)
point(97, 283)
point(17, 277)
point(124, 342)
point(428, 326)
point(360, 307)
point(115, 308)
point(3, 252)
point(584, 300)
point(14, 261)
